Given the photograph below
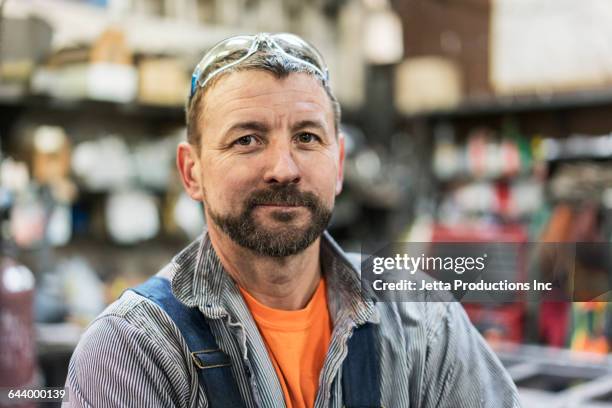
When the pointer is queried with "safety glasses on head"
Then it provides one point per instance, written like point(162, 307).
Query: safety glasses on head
point(241, 47)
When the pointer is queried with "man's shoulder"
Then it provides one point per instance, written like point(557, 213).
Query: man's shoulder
point(133, 340)
point(134, 323)
point(132, 312)
point(424, 316)
point(136, 309)
point(130, 307)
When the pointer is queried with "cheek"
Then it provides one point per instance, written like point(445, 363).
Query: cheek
point(320, 175)
point(227, 183)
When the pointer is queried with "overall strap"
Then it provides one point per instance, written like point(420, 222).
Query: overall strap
point(361, 370)
point(213, 365)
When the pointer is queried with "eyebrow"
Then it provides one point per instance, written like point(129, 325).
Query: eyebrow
point(250, 125)
point(263, 128)
point(308, 124)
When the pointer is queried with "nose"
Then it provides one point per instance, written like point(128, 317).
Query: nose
point(281, 167)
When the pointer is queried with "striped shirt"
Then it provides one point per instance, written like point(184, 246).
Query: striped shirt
point(133, 355)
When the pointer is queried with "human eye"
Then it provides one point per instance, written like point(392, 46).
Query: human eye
point(307, 137)
point(248, 140)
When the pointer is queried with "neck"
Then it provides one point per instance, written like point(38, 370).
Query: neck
point(285, 283)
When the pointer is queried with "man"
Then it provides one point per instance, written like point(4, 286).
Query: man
point(265, 310)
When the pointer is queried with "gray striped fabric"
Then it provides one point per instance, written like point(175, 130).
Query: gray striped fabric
point(133, 355)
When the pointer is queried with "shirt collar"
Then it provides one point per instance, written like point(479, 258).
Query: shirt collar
point(199, 280)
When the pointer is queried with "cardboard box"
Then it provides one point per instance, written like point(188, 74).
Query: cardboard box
point(162, 81)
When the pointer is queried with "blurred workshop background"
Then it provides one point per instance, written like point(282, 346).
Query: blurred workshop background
point(466, 121)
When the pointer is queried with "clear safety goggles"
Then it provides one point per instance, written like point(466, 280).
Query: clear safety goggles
point(241, 47)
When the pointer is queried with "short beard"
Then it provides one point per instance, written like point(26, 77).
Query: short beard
point(244, 230)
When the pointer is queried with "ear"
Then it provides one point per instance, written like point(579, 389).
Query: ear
point(188, 165)
point(340, 175)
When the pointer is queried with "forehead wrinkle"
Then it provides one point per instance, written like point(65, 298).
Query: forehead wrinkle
point(283, 92)
point(305, 86)
point(285, 119)
point(310, 95)
point(301, 82)
point(297, 107)
point(309, 105)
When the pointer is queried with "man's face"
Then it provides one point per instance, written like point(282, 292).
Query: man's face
point(270, 163)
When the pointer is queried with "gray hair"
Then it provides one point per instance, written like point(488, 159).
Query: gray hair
point(276, 64)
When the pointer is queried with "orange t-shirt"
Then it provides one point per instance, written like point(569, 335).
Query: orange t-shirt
point(297, 342)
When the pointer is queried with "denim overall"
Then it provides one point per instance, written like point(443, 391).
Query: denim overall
point(360, 370)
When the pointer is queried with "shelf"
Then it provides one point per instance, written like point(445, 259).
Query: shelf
point(520, 104)
point(174, 113)
point(131, 109)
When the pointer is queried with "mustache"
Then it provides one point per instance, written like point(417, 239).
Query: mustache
point(283, 194)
